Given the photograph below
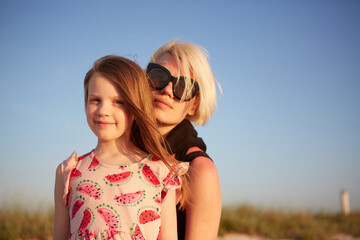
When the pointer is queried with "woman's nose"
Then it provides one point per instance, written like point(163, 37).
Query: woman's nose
point(167, 90)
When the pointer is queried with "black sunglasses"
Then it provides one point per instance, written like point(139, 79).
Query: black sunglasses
point(159, 77)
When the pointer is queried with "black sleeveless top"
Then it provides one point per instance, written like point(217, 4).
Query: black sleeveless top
point(180, 139)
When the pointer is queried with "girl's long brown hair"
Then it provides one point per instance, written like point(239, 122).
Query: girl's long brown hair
point(131, 81)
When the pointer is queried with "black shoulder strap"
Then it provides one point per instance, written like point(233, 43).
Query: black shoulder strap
point(182, 138)
point(191, 156)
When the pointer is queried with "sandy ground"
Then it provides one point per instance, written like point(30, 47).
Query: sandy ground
point(236, 236)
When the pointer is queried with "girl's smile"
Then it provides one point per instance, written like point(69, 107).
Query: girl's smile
point(104, 123)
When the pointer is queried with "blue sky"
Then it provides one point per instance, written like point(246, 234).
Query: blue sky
point(286, 131)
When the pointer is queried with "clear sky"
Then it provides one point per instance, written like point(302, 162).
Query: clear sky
point(286, 131)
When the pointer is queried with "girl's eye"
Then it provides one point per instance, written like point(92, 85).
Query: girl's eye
point(119, 102)
point(94, 100)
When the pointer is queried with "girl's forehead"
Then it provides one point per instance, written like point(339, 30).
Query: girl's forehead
point(99, 84)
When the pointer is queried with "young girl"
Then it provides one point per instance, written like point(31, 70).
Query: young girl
point(125, 187)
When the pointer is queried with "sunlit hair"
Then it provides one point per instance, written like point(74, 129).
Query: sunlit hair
point(130, 80)
point(193, 60)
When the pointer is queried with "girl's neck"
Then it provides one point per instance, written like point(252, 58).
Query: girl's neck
point(113, 153)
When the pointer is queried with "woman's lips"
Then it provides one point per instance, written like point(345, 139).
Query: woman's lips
point(162, 104)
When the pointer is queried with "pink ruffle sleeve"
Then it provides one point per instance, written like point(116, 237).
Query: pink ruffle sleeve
point(67, 167)
point(173, 179)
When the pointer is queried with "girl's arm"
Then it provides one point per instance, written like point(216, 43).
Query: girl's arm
point(168, 217)
point(204, 211)
point(62, 218)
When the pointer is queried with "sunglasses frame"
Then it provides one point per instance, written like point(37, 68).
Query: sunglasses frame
point(172, 79)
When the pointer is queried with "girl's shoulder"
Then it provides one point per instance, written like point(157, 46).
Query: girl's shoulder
point(73, 160)
point(70, 161)
point(67, 169)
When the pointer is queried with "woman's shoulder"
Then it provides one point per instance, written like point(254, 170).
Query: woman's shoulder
point(202, 164)
point(204, 179)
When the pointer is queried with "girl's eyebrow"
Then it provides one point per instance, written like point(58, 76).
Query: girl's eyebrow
point(112, 97)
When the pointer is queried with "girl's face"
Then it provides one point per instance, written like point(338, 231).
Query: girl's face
point(170, 111)
point(106, 113)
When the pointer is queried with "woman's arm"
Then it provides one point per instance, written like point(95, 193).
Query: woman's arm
point(168, 216)
point(62, 219)
point(204, 211)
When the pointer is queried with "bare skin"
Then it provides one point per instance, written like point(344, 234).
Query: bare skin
point(203, 215)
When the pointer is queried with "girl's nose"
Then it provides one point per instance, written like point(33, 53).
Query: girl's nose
point(103, 109)
point(167, 90)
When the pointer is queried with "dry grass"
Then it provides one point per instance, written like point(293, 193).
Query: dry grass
point(19, 222)
point(279, 224)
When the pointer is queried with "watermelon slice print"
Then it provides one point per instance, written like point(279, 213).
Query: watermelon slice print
point(94, 165)
point(110, 234)
point(157, 199)
point(87, 219)
point(137, 234)
point(154, 159)
point(78, 202)
point(122, 167)
point(148, 214)
point(130, 199)
point(118, 179)
point(84, 156)
point(148, 176)
point(171, 180)
point(74, 174)
point(86, 234)
point(163, 195)
point(90, 188)
point(109, 215)
point(68, 197)
point(159, 235)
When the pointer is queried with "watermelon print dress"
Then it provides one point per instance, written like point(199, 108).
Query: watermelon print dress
point(116, 202)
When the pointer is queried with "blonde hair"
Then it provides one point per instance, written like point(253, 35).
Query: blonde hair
point(130, 80)
point(193, 60)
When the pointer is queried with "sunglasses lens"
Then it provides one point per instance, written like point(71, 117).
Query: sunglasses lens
point(158, 78)
point(179, 88)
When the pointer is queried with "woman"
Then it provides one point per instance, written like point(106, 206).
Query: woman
point(184, 90)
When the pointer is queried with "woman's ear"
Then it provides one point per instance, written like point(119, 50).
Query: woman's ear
point(193, 107)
